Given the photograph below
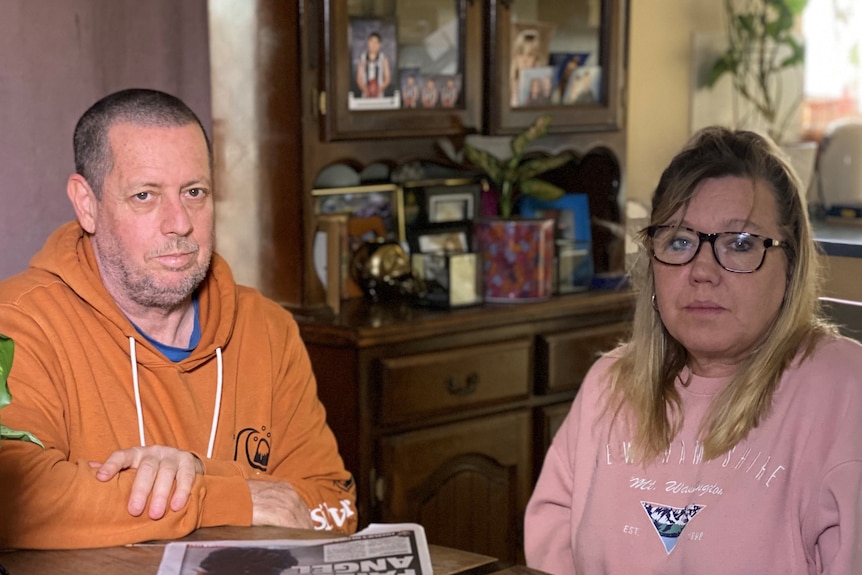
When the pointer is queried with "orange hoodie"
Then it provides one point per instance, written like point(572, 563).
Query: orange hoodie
point(72, 380)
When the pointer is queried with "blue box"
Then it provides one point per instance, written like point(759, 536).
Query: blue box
point(573, 238)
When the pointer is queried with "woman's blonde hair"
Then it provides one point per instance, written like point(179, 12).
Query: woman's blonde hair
point(643, 380)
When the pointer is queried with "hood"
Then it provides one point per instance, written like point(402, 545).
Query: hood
point(68, 254)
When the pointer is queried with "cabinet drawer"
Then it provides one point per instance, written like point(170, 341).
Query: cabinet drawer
point(563, 359)
point(430, 383)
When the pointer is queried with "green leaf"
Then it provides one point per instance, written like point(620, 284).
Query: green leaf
point(541, 190)
point(12, 434)
point(7, 353)
point(488, 163)
point(538, 129)
point(532, 168)
point(795, 7)
point(727, 64)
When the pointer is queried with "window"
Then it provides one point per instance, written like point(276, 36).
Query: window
point(833, 70)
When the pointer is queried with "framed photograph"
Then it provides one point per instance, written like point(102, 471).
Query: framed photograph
point(572, 238)
point(374, 210)
point(564, 65)
point(455, 207)
point(585, 86)
point(411, 87)
point(374, 56)
point(443, 200)
point(571, 214)
point(530, 48)
point(441, 239)
point(450, 90)
point(429, 92)
point(536, 85)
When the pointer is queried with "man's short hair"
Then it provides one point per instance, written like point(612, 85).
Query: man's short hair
point(137, 106)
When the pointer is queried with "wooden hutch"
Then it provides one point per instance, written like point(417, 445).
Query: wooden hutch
point(442, 416)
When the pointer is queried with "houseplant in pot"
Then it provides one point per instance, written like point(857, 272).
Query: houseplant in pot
point(764, 60)
point(517, 253)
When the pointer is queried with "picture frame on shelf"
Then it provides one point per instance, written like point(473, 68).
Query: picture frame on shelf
point(531, 41)
point(447, 238)
point(441, 201)
point(375, 210)
point(574, 268)
point(374, 80)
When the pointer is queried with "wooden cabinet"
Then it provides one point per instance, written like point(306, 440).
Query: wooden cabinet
point(444, 416)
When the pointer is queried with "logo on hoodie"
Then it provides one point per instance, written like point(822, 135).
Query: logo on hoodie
point(669, 522)
point(255, 444)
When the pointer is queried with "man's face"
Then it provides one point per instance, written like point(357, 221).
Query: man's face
point(154, 225)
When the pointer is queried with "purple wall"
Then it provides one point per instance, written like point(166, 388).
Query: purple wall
point(57, 57)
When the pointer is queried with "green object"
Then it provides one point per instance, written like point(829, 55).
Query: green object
point(7, 352)
point(761, 45)
point(513, 177)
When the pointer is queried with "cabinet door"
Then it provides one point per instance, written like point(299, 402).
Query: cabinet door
point(397, 68)
point(467, 483)
point(563, 58)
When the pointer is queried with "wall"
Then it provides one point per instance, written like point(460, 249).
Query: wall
point(659, 105)
point(57, 57)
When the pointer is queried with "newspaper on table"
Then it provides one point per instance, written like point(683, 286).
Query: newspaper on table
point(380, 548)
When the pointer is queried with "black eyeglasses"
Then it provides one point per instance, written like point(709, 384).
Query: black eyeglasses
point(738, 252)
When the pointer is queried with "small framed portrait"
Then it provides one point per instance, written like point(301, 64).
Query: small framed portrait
point(441, 239)
point(453, 207)
point(410, 87)
point(450, 90)
point(531, 43)
point(536, 86)
point(374, 56)
point(374, 210)
point(564, 65)
point(429, 92)
point(585, 86)
point(443, 200)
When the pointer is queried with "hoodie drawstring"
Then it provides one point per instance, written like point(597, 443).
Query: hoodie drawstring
point(134, 359)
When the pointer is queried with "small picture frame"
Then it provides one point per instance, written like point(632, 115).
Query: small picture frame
point(375, 210)
point(374, 65)
point(441, 240)
point(536, 85)
point(573, 253)
point(443, 201)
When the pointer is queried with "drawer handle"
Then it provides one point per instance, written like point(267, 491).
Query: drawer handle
point(469, 387)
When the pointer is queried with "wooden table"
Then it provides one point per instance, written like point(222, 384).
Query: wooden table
point(144, 559)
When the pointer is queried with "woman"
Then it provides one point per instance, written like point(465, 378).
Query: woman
point(725, 436)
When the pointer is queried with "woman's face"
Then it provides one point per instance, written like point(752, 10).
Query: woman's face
point(717, 315)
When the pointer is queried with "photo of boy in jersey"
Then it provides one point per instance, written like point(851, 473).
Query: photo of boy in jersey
point(450, 91)
point(373, 54)
point(410, 88)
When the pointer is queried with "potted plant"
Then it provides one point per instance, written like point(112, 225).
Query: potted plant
point(515, 177)
point(517, 254)
point(7, 351)
point(761, 46)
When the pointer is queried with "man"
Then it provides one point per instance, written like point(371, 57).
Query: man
point(167, 397)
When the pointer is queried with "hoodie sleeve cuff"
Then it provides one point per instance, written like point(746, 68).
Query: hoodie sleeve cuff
point(226, 501)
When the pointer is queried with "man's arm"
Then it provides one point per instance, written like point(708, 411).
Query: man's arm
point(307, 456)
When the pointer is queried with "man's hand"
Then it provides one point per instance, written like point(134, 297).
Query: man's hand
point(158, 468)
point(276, 503)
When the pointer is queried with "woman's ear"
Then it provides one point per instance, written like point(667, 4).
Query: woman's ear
point(84, 202)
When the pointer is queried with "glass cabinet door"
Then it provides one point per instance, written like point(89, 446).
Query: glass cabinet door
point(563, 58)
point(398, 68)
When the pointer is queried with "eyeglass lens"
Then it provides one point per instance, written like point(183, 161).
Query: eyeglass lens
point(733, 251)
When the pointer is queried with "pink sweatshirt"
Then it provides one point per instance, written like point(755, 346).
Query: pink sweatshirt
point(787, 499)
